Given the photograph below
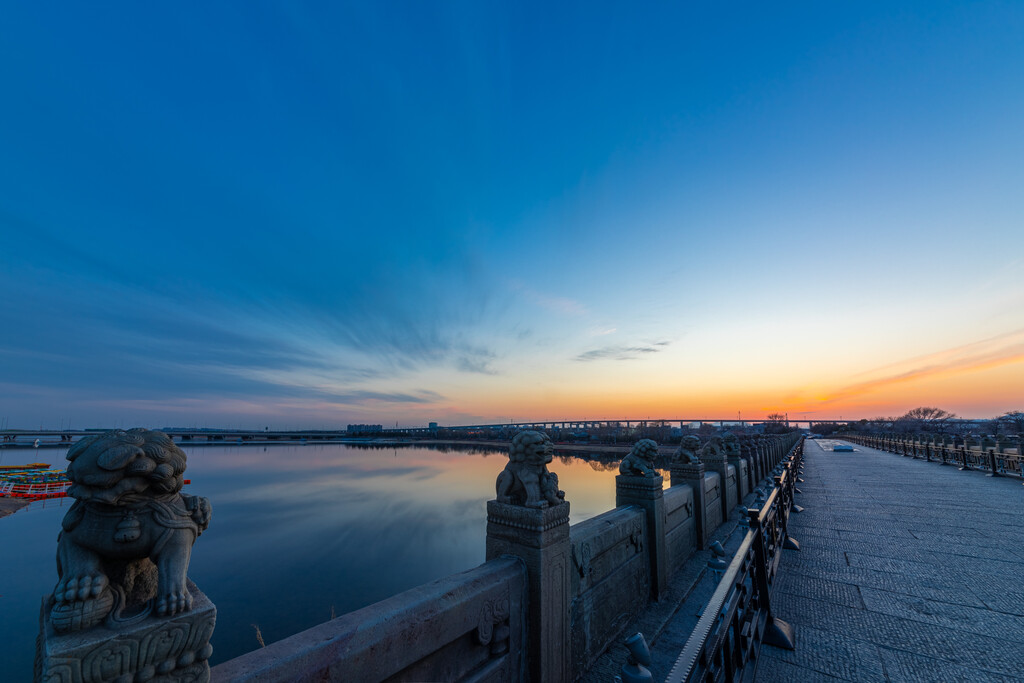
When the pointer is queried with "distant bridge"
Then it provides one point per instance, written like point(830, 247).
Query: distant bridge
point(683, 423)
point(57, 437)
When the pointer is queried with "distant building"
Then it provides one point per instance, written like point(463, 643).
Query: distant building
point(432, 425)
point(364, 429)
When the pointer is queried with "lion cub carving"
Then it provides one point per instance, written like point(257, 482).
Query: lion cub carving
point(640, 461)
point(128, 516)
point(525, 479)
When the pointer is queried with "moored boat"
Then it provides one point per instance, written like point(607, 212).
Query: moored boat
point(33, 482)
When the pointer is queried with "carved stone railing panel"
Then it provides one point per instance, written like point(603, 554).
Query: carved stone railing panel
point(611, 580)
point(467, 626)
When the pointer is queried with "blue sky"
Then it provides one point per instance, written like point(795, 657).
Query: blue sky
point(305, 214)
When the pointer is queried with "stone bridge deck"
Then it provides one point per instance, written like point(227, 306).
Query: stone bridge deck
point(909, 571)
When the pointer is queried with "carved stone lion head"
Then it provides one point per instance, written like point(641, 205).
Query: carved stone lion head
point(534, 448)
point(118, 467)
point(645, 450)
point(690, 443)
point(714, 447)
point(687, 451)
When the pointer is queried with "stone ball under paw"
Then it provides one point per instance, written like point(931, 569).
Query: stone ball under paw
point(81, 614)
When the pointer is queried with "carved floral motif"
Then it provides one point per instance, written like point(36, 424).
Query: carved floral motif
point(493, 625)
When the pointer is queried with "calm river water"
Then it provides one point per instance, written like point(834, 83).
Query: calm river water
point(298, 533)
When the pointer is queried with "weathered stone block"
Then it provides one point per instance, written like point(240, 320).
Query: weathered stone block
point(540, 536)
point(681, 530)
point(611, 581)
point(647, 493)
point(141, 648)
point(732, 488)
point(515, 525)
point(686, 473)
point(693, 476)
point(714, 496)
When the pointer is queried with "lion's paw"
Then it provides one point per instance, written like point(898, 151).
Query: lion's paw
point(74, 587)
point(173, 602)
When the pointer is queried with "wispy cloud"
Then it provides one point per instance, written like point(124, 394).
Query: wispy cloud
point(360, 397)
point(621, 352)
point(477, 365)
point(991, 352)
point(475, 359)
point(555, 304)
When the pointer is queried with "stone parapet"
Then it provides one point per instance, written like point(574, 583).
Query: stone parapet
point(463, 627)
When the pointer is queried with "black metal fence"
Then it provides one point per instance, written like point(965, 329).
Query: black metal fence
point(992, 459)
point(725, 643)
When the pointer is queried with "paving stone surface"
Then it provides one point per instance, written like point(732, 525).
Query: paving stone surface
point(908, 571)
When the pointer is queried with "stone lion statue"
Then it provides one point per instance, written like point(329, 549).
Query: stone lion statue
point(714, 448)
point(128, 537)
point(525, 479)
point(640, 461)
point(731, 444)
point(687, 451)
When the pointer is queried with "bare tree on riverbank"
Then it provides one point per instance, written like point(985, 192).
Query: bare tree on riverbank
point(925, 419)
point(1012, 421)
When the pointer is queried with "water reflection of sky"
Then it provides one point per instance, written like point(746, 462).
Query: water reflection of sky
point(298, 531)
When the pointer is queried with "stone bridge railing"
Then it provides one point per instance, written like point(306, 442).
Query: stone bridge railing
point(549, 600)
point(996, 457)
point(570, 590)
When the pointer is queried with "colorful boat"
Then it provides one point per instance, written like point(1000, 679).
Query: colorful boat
point(31, 481)
point(8, 469)
point(35, 481)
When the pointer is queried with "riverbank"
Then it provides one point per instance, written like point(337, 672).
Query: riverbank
point(8, 506)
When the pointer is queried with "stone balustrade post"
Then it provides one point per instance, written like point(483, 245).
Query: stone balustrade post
point(718, 462)
point(541, 538)
point(530, 522)
point(647, 494)
point(145, 620)
point(692, 475)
